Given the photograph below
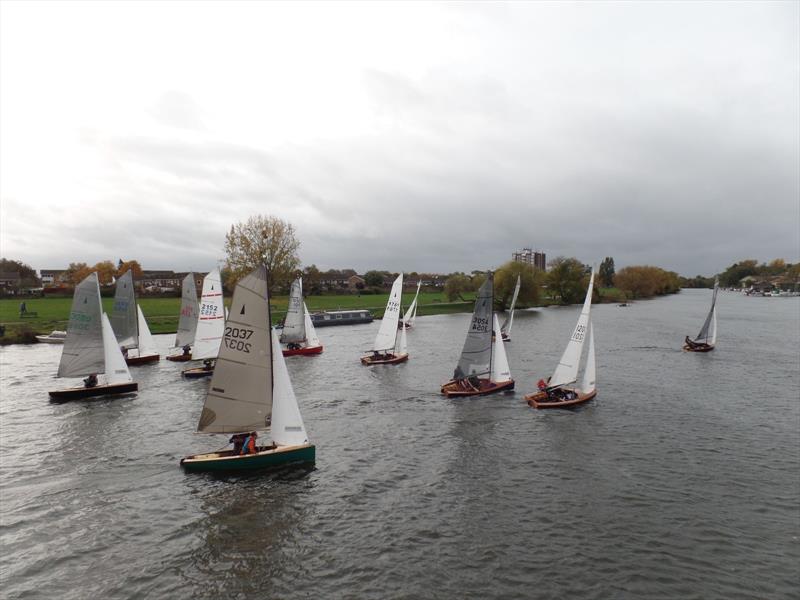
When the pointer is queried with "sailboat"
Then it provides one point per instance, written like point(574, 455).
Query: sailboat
point(389, 347)
point(187, 322)
point(483, 366)
point(298, 331)
point(129, 324)
point(90, 348)
point(506, 328)
point(251, 390)
point(210, 326)
point(555, 392)
point(411, 314)
point(707, 338)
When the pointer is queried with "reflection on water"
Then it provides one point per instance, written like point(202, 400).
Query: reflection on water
point(680, 480)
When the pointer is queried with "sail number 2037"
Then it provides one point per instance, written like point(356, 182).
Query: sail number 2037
point(235, 338)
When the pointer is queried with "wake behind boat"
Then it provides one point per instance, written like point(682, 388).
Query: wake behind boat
point(251, 390)
point(555, 392)
point(483, 366)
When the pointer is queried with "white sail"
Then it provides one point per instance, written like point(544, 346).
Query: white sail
point(123, 316)
point(240, 396)
point(114, 363)
point(506, 328)
point(500, 369)
point(401, 346)
point(312, 341)
point(294, 329)
point(287, 424)
point(567, 369)
point(588, 384)
point(146, 344)
point(187, 322)
point(387, 333)
point(713, 339)
point(411, 313)
point(83, 346)
point(704, 334)
point(476, 356)
point(211, 318)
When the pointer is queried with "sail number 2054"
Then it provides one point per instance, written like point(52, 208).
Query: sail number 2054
point(235, 338)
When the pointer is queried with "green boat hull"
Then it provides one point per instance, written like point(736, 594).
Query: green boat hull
point(226, 461)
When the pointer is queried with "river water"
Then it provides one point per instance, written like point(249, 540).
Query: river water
point(682, 480)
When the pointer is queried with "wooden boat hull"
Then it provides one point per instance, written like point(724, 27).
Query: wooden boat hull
point(698, 348)
point(267, 457)
point(142, 360)
point(540, 400)
point(98, 390)
point(179, 357)
point(197, 373)
point(456, 389)
point(396, 360)
point(308, 351)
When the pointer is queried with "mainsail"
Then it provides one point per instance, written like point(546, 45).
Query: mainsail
point(476, 357)
point(567, 369)
point(387, 333)
point(506, 328)
point(187, 323)
point(240, 396)
point(294, 329)
point(124, 320)
point(211, 320)
point(710, 319)
point(83, 346)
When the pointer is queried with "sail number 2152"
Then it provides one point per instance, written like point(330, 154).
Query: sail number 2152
point(235, 338)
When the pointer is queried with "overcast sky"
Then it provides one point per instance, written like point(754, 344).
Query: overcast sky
point(409, 136)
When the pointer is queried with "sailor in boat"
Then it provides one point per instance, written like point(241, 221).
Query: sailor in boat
point(90, 381)
point(692, 344)
point(249, 445)
point(124, 351)
point(187, 350)
point(237, 439)
point(293, 346)
point(208, 364)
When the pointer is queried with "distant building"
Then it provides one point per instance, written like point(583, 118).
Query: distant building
point(166, 280)
point(51, 276)
point(10, 280)
point(529, 257)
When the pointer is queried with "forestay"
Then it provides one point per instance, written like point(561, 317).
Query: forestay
point(287, 423)
point(387, 334)
point(567, 369)
point(187, 323)
point(124, 320)
point(476, 356)
point(710, 319)
point(240, 396)
point(211, 320)
point(294, 330)
point(83, 346)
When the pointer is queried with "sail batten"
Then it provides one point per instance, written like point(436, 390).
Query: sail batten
point(387, 333)
point(83, 346)
point(476, 355)
point(567, 369)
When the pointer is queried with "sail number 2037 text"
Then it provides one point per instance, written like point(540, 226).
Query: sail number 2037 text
point(235, 338)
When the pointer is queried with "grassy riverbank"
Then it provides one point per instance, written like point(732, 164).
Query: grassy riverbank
point(162, 313)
